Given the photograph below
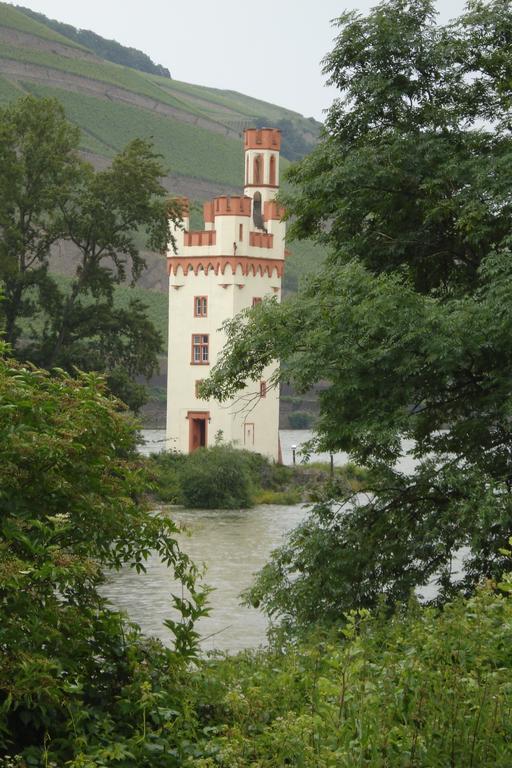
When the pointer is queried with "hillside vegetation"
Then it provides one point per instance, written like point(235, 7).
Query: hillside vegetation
point(107, 49)
point(196, 129)
point(36, 52)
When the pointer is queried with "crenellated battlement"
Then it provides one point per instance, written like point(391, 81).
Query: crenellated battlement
point(261, 240)
point(200, 238)
point(262, 138)
point(232, 205)
point(272, 211)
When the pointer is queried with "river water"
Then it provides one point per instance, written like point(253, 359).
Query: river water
point(232, 545)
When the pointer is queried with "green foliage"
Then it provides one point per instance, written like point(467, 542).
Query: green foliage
point(287, 497)
point(300, 420)
point(407, 322)
point(106, 49)
point(268, 483)
point(421, 689)
point(155, 303)
point(75, 680)
point(165, 468)
point(216, 478)
point(9, 91)
point(186, 149)
point(46, 194)
point(39, 165)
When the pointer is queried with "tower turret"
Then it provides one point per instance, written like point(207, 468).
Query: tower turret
point(261, 147)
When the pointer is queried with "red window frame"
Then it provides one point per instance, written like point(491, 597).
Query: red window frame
point(200, 349)
point(256, 300)
point(263, 388)
point(200, 306)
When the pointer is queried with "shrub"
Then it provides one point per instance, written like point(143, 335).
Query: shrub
point(300, 420)
point(422, 689)
point(165, 470)
point(73, 673)
point(287, 497)
point(216, 478)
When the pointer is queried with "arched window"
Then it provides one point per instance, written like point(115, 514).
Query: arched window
point(272, 173)
point(257, 170)
point(256, 211)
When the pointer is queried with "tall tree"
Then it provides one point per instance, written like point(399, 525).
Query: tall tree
point(408, 322)
point(38, 166)
point(102, 213)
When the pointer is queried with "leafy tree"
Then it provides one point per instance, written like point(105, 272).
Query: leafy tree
point(408, 322)
point(73, 674)
point(38, 167)
point(101, 213)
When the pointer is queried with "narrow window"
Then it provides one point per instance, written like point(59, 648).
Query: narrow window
point(256, 300)
point(263, 388)
point(248, 433)
point(256, 211)
point(200, 351)
point(272, 175)
point(200, 306)
point(198, 384)
point(240, 232)
point(257, 170)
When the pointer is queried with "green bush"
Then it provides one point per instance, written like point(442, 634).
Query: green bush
point(165, 469)
point(300, 420)
point(422, 689)
point(216, 478)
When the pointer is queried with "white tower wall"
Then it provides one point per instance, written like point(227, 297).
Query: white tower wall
point(230, 263)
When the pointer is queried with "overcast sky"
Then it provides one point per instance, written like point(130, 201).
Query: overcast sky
point(267, 49)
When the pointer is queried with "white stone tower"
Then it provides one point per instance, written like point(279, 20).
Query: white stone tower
point(236, 261)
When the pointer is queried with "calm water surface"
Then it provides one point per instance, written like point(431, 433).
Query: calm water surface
point(232, 545)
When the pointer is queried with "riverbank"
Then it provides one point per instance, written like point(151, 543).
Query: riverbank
point(229, 478)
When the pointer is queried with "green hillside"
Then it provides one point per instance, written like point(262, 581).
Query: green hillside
point(196, 129)
point(43, 56)
point(187, 149)
point(106, 49)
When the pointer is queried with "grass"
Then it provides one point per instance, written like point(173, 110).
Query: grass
point(285, 498)
point(14, 19)
point(186, 149)
point(9, 91)
point(104, 71)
